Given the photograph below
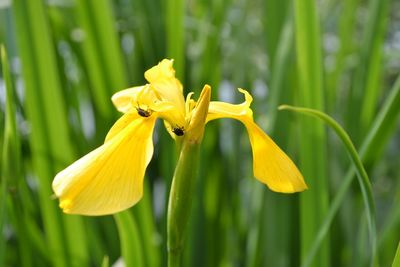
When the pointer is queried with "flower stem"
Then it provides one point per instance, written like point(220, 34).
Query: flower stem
point(180, 200)
point(180, 197)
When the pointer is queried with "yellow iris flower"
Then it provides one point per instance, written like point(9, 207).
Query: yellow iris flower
point(110, 178)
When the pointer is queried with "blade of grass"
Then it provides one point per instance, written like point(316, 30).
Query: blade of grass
point(145, 222)
point(175, 29)
point(275, 18)
point(346, 31)
point(37, 137)
point(11, 173)
point(50, 143)
point(313, 163)
point(373, 81)
point(282, 57)
point(362, 175)
point(11, 155)
point(104, 26)
point(102, 55)
point(389, 231)
point(105, 262)
point(367, 81)
point(129, 237)
point(381, 128)
point(271, 221)
point(396, 260)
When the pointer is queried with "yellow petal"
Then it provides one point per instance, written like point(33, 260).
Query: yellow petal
point(167, 87)
point(110, 178)
point(125, 100)
point(164, 70)
point(121, 124)
point(128, 100)
point(226, 110)
point(197, 123)
point(271, 165)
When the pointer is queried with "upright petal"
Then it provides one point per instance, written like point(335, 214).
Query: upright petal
point(125, 100)
point(271, 165)
point(110, 178)
point(168, 88)
point(198, 117)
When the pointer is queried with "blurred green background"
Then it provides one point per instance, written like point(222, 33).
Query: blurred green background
point(66, 58)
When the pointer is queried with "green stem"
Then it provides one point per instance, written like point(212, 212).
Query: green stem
point(180, 200)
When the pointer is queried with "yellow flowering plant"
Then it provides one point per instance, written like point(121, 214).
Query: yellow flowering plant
point(110, 178)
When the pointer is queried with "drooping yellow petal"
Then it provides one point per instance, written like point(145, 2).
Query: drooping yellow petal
point(110, 178)
point(219, 109)
point(271, 165)
point(121, 124)
point(168, 89)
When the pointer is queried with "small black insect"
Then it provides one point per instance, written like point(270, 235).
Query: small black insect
point(143, 113)
point(178, 131)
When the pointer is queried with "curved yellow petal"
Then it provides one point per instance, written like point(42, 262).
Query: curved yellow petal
point(162, 71)
point(110, 178)
point(168, 89)
point(271, 165)
point(199, 114)
point(121, 124)
point(125, 100)
point(226, 110)
point(143, 97)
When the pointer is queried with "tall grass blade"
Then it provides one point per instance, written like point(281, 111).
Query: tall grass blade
point(367, 80)
point(50, 143)
point(11, 155)
point(382, 127)
point(175, 29)
point(396, 260)
point(272, 224)
point(102, 56)
point(346, 31)
point(145, 222)
point(129, 234)
point(313, 203)
point(362, 175)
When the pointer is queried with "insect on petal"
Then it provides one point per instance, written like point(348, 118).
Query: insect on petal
point(110, 178)
point(125, 100)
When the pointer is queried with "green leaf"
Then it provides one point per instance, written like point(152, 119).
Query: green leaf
point(396, 260)
point(129, 235)
point(362, 175)
point(11, 155)
point(312, 141)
